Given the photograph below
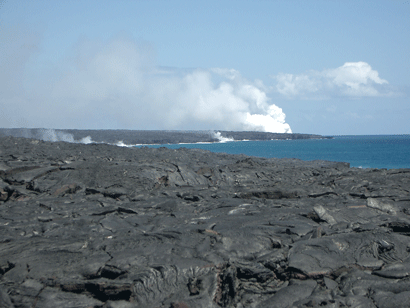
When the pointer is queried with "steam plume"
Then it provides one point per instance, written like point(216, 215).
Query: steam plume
point(116, 84)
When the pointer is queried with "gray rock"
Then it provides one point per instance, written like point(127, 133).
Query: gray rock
point(103, 226)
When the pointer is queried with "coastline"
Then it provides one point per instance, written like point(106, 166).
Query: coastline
point(131, 137)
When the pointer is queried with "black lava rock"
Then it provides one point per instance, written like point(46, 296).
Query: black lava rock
point(104, 226)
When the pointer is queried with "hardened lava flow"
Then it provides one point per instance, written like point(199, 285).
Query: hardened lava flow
point(103, 226)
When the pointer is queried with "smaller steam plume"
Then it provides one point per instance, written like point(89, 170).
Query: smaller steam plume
point(222, 139)
point(55, 135)
point(45, 134)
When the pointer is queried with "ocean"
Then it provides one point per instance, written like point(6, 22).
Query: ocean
point(374, 151)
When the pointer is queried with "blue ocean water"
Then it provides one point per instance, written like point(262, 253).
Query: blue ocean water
point(375, 151)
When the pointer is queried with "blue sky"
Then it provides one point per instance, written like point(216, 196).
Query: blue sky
point(325, 67)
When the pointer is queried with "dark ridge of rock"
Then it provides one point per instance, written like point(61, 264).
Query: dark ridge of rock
point(104, 226)
point(145, 136)
point(267, 136)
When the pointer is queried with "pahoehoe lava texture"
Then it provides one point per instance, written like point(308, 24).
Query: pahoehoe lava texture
point(103, 226)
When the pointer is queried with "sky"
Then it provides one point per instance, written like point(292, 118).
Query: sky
point(321, 67)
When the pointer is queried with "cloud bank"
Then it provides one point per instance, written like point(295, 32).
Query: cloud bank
point(353, 79)
point(117, 84)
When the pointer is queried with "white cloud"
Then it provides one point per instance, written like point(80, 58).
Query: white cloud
point(292, 85)
point(331, 108)
point(117, 85)
point(353, 79)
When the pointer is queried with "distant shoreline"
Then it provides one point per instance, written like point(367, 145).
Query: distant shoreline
point(142, 137)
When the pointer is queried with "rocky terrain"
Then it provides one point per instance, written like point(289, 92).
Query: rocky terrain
point(104, 226)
